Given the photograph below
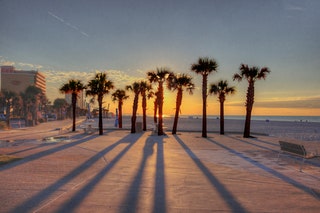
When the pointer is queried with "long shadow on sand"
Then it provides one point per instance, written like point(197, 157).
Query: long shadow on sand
point(231, 201)
point(71, 204)
point(45, 153)
point(266, 169)
point(255, 144)
point(75, 137)
point(34, 201)
point(313, 162)
point(129, 204)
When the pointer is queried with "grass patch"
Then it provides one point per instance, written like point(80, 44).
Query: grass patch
point(4, 159)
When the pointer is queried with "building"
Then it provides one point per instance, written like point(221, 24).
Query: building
point(18, 80)
point(81, 100)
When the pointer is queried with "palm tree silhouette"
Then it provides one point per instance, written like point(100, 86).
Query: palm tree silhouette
point(221, 89)
point(136, 89)
point(160, 76)
point(178, 82)
point(204, 67)
point(251, 74)
point(119, 95)
point(8, 98)
point(146, 88)
point(74, 87)
point(99, 86)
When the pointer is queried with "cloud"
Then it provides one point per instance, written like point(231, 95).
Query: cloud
point(32, 66)
point(68, 24)
point(294, 8)
point(19, 65)
point(55, 79)
point(5, 62)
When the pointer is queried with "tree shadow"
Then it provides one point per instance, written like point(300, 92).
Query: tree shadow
point(265, 168)
point(314, 162)
point(231, 201)
point(254, 144)
point(40, 197)
point(47, 152)
point(71, 204)
point(129, 204)
point(37, 146)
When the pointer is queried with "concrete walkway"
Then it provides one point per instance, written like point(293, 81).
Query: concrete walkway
point(123, 172)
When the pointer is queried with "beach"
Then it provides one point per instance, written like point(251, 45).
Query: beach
point(121, 172)
point(300, 130)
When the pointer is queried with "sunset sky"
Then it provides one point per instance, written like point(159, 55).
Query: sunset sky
point(126, 38)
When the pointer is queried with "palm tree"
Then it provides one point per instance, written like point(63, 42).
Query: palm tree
point(146, 88)
point(30, 100)
point(73, 87)
point(119, 95)
point(178, 82)
point(60, 104)
point(136, 89)
point(8, 98)
point(204, 67)
point(251, 74)
point(99, 86)
point(221, 89)
point(160, 76)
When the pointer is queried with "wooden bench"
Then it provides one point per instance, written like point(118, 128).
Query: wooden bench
point(296, 150)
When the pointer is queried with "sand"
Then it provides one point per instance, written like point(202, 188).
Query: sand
point(305, 131)
point(123, 172)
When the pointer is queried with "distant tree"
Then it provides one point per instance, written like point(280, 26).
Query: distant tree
point(119, 95)
point(99, 86)
point(145, 88)
point(60, 104)
point(251, 74)
point(204, 67)
point(73, 87)
point(160, 76)
point(221, 89)
point(8, 100)
point(30, 100)
point(136, 89)
point(179, 82)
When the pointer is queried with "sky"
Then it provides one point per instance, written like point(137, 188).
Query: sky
point(67, 39)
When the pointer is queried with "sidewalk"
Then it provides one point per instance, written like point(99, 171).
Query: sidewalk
point(123, 172)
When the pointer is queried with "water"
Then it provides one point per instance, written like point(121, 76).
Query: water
point(262, 118)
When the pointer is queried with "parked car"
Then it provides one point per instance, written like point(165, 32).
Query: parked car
point(2, 117)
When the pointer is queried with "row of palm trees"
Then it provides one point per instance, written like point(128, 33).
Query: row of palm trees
point(25, 104)
point(100, 86)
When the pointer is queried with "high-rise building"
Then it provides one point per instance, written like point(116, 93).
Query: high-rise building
point(18, 80)
point(81, 100)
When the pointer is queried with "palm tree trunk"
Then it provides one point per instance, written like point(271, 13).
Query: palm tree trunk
point(249, 106)
point(8, 106)
point(221, 117)
point(204, 106)
point(120, 114)
point(160, 125)
point(155, 110)
point(74, 104)
point(176, 116)
point(144, 112)
point(100, 115)
point(134, 113)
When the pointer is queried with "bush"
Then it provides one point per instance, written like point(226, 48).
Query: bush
point(3, 125)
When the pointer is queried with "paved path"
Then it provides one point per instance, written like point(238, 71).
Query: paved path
point(123, 172)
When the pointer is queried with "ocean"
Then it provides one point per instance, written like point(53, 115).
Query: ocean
point(262, 118)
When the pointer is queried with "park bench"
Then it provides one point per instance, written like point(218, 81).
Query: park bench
point(296, 150)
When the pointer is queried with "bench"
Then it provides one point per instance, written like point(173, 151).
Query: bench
point(296, 150)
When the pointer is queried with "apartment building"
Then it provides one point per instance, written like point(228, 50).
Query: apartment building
point(18, 80)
